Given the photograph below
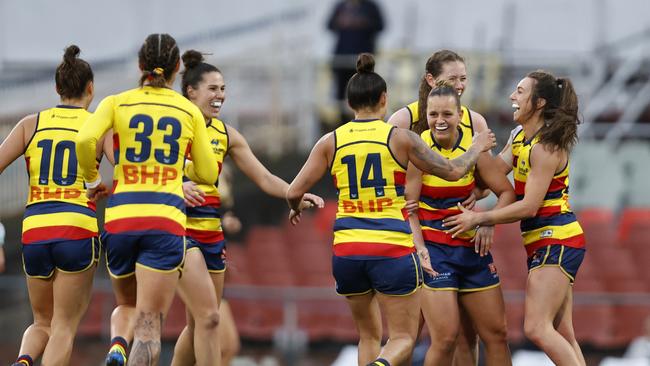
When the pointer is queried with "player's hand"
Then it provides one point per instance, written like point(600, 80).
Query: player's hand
point(411, 207)
point(460, 223)
point(485, 140)
point(470, 201)
point(192, 194)
point(425, 263)
point(230, 223)
point(97, 193)
point(483, 240)
point(294, 217)
point(310, 200)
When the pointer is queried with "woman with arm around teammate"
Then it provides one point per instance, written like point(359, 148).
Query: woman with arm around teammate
point(466, 275)
point(205, 266)
point(546, 109)
point(59, 241)
point(373, 245)
point(153, 127)
point(449, 67)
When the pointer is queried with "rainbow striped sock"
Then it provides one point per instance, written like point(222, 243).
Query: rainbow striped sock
point(24, 360)
point(379, 362)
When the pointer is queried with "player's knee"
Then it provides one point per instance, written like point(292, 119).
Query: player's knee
point(496, 334)
point(445, 342)
point(534, 330)
point(370, 335)
point(40, 326)
point(208, 321)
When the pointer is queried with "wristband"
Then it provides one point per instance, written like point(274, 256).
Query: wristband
point(94, 184)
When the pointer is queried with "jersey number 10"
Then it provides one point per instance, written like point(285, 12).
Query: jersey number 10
point(57, 171)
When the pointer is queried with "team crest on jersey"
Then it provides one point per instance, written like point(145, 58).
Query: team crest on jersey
point(216, 146)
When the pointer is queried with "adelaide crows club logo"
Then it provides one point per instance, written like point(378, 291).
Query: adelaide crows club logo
point(216, 146)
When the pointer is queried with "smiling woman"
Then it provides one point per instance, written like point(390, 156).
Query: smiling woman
point(466, 274)
point(201, 286)
point(374, 253)
point(546, 108)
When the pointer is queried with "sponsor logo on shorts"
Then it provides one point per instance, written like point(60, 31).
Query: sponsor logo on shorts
point(443, 276)
point(493, 268)
point(546, 233)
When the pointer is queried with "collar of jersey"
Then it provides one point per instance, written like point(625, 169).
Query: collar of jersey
point(366, 120)
point(68, 106)
point(460, 138)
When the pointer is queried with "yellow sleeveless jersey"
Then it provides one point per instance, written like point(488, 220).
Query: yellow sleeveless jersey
point(554, 222)
point(414, 111)
point(204, 222)
point(57, 207)
point(370, 221)
point(153, 129)
point(439, 197)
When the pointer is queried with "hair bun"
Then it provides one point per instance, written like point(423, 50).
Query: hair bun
point(71, 53)
point(365, 63)
point(192, 58)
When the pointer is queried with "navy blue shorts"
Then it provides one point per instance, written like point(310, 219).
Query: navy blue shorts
point(71, 256)
point(158, 252)
point(460, 269)
point(555, 255)
point(214, 254)
point(390, 276)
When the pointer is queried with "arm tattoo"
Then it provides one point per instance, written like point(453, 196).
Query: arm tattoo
point(466, 161)
point(430, 162)
point(146, 345)
point(427, 160)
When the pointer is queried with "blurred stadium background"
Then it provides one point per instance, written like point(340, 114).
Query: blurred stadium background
point(275, 56)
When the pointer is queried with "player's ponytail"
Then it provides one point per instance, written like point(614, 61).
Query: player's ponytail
point(365, 88)
point(158, 58)
point(73, 74)
point(560, 112)
point(195, 67)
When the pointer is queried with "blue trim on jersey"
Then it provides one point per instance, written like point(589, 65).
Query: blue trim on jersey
point(442, 203)
point(549, 196)
point(555, 220)
point(57, 129)
point(43, 208)
point(348, 223)
point(159, 198)
point(203, 212)
point(157, 104)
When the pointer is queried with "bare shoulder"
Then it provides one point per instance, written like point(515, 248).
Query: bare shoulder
point(28, 125)
point(326, 142)
point(478, 121)
point(401, 118)
point(235, 138)
point(545, 155)
point(28, 121)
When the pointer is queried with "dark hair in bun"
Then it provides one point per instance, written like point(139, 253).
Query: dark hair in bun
point(73, 74)
point(365, 63)
point(365, 88)
point(194, 70)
